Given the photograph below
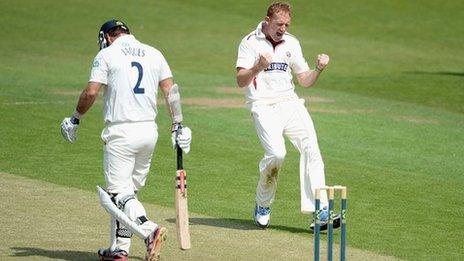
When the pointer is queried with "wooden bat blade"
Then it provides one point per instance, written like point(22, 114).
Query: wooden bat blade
point(182, 217)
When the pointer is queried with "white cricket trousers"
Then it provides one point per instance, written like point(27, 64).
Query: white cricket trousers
point(127, 152)
point(289, 118)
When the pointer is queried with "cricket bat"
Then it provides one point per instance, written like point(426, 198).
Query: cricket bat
point(182, 217)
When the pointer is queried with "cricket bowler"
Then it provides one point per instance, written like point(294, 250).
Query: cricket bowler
point(268, 58)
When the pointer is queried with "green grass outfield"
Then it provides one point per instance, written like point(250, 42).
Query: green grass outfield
point(389, 111)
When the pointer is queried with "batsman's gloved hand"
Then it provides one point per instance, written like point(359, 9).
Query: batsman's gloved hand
point(69, 128)
point(181, 136)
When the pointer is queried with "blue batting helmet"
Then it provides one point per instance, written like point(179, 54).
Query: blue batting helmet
point(106, 28)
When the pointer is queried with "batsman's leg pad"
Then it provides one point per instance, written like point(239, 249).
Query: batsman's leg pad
point(110, 206)
point(134, 209)
point(113, 228)
point(123, 234)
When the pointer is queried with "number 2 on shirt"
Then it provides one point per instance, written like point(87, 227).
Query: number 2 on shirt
point(137, 89)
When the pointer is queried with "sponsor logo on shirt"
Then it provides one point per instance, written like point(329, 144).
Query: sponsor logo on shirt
point(277, 67)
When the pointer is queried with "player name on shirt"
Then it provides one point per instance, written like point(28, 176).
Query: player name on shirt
point(277, 66)
point(133, 51)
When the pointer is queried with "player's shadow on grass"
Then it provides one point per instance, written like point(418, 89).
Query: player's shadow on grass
point(235, 223)
point(69, 255)
point(438, 73)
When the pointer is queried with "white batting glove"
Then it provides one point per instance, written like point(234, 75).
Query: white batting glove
point(68, 128)
point(183, 138)
point(322, 61)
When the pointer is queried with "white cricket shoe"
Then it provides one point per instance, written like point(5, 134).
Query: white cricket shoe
point(324, 216)
point(262, 216)
point(154, 242)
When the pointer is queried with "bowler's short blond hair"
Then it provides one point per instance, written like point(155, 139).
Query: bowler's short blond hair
point(278, 7)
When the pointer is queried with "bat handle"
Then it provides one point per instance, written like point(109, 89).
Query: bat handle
point(179, 151)
point(179, 158)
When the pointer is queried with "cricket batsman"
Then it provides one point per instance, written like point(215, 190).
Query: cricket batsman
point(130, 73)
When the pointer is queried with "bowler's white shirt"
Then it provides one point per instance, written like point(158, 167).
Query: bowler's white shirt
point(275, 83)
point(131, 72)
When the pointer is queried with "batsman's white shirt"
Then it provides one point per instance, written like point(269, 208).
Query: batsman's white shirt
point(276, 82)
point(277, 111)
point(131, 72)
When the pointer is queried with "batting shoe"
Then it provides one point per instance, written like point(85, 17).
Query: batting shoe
point(105, 254)
point(262, 216)
point(154, 242)
point(324, 217)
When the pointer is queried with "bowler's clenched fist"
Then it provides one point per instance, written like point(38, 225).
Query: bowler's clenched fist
point(322, 61)
point(264, 60)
